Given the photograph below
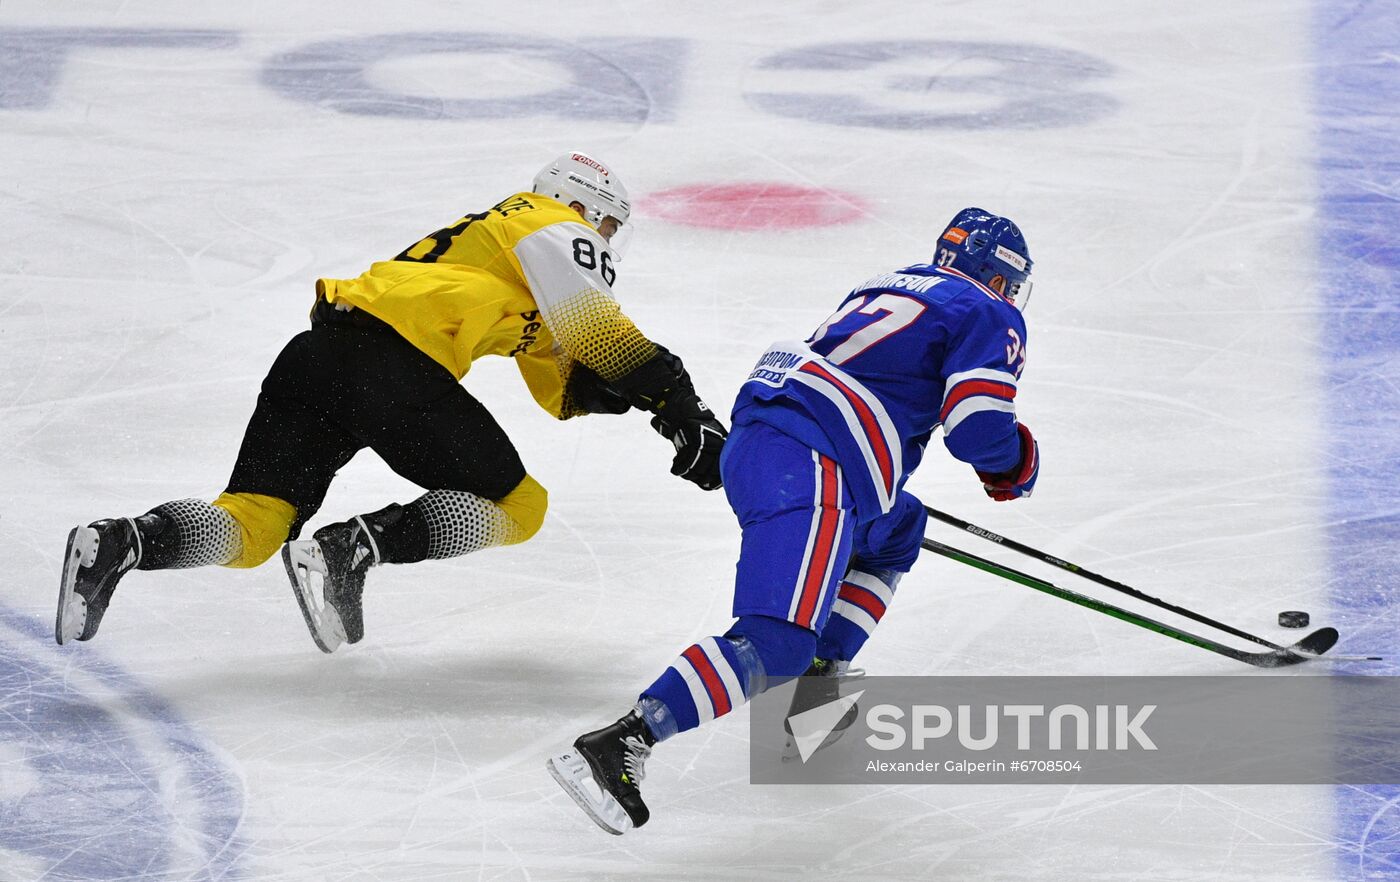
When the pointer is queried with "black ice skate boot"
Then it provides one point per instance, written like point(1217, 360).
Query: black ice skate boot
point(341, 555)
point(602, 772)
point(820, 685)
point(97, 556)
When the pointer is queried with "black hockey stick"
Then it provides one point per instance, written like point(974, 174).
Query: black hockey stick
point(1310, 646)
point(954, 521)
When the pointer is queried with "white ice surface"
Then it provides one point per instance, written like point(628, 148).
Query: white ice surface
point(162, 222)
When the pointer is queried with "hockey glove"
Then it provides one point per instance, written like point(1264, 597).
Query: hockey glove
point(591, 393)
point(662, 386)
point(698, 438)
point(656, 382)
point(676, 366)
point(1019, 480)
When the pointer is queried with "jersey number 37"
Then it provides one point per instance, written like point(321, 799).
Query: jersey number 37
point(874, 318)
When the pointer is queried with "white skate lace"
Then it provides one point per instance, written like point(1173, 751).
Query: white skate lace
point(637, 755)
point(136, 532)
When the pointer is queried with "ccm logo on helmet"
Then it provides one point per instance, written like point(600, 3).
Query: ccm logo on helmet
point(591, 163)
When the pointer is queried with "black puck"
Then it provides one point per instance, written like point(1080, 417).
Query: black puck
point(1293, 618)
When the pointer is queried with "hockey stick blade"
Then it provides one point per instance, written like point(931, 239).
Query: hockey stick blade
point(1319, 642)
point(1307, 649)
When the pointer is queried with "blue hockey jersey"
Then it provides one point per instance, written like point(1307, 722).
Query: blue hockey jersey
point(906, 352)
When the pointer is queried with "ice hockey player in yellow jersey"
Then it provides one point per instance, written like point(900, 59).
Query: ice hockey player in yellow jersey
point(531, 279)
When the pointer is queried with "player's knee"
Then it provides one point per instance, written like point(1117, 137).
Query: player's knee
point(892, 541)
point(263, 524)
point(785, 649)
point(525, 505)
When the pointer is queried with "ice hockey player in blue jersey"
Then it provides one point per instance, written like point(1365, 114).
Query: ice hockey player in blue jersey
point(826, 432)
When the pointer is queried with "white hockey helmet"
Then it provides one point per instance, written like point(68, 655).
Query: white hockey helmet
point(578, 177)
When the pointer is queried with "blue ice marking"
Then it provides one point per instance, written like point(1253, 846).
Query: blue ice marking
point(99, 778)
point(1357, 58)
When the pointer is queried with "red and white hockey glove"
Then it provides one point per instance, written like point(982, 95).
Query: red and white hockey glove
point(1019, 480)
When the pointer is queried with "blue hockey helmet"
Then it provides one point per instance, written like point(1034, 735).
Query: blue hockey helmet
point(990, 249)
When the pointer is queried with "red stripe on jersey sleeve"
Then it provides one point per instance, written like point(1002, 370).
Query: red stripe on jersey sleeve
point(969, 388)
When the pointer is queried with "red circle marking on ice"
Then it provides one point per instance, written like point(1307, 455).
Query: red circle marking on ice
point(752, 206)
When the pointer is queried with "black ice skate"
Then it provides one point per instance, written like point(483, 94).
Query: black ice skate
point(328, 578)
point(820, 685)
point(602, 772)
point(98, 556)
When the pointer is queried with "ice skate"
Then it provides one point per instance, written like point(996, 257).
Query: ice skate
point(602, 770)
point(97, 556)
point(819, 685)
point(328, 577)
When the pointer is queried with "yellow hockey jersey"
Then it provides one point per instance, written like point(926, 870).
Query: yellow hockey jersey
point(527, 279)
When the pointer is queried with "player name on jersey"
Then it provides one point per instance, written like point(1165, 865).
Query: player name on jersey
point(903, 282)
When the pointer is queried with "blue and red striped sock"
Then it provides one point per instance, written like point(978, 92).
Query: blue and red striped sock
point(708, 680)
point(860, 603)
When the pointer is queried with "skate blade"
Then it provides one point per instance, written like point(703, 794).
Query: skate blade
point(302, 559)
point(574, 775)
point(72, 606)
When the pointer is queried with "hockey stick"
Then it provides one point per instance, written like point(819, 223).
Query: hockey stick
point(1092, 576)
point(1309, 647)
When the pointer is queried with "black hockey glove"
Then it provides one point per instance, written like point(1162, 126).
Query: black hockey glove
point(699, 439)
point(662, 386)
point(656, 382)
point(674, 365)
point(591, 393)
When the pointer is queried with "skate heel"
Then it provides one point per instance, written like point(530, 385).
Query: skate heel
point(81, 551)
point(86, 544)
